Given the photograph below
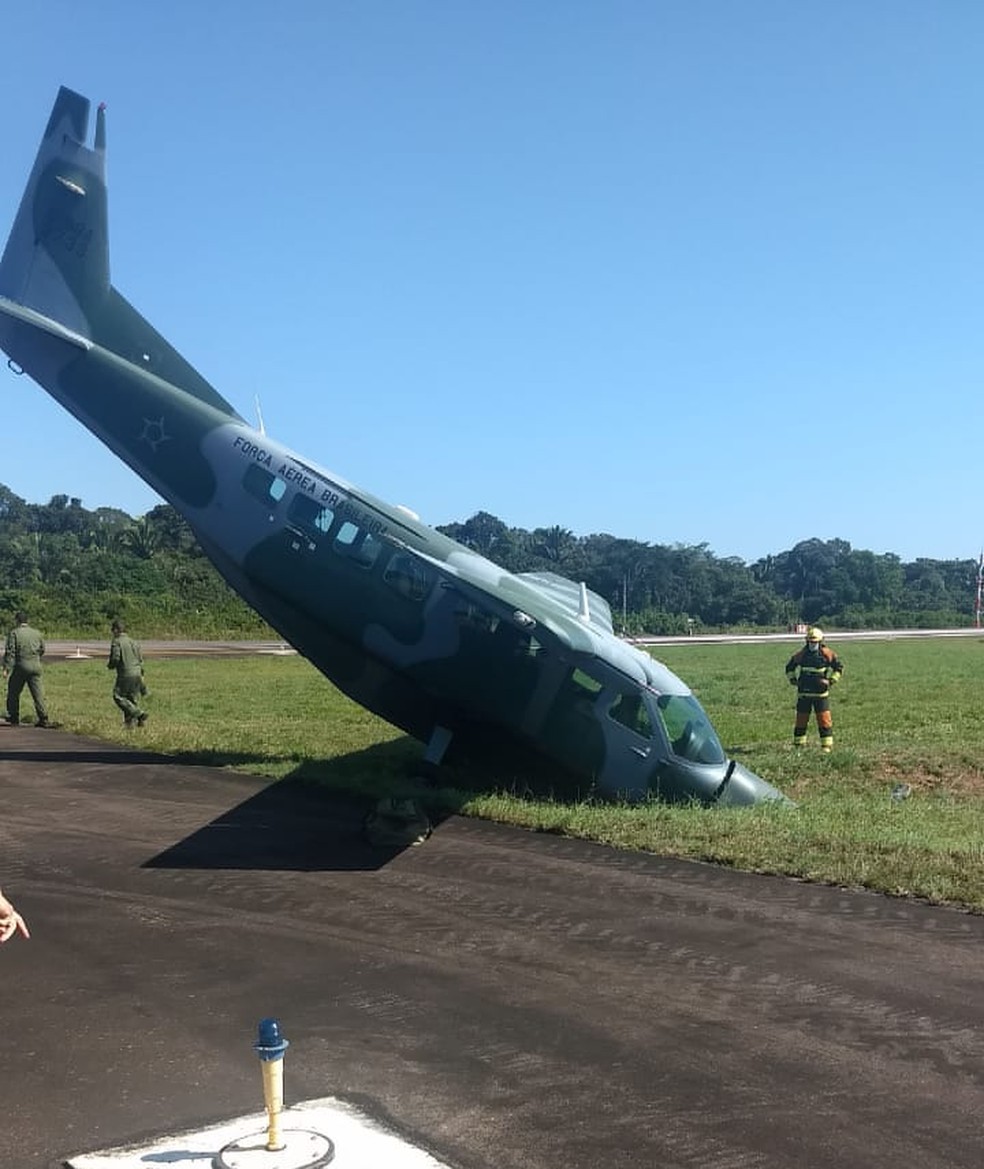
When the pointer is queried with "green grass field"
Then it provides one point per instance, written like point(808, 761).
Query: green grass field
point(907, 711)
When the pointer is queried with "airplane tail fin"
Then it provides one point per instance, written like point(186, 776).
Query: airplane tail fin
point(57, 257)
point(56, 262)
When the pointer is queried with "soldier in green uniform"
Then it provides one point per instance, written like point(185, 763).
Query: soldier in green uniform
point(126, 659)
point(22, 665)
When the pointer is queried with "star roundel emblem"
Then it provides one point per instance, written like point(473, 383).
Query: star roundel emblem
point(153, 433)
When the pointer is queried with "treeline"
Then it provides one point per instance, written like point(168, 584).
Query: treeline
point(655, 588)
point(74, 570)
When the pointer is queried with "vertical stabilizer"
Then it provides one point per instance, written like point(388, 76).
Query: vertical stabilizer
point(57, 257)
point(56, 262)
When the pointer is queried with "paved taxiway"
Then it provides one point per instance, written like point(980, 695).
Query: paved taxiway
point(506, 999)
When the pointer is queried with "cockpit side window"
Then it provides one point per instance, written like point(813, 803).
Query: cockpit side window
point(267, 488)
point(631, 712)
point(688, 729)
point(579, 692)
point(588, 686)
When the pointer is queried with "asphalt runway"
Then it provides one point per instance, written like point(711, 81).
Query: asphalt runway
point(504, 999)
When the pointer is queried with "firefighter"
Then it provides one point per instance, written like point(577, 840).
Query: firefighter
point(813, 670)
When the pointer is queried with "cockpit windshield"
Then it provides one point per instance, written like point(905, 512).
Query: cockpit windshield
point(688, 729)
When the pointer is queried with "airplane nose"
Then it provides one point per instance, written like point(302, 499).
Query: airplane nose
point(744, 787)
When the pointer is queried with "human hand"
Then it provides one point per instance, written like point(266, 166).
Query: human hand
point(11, 921)
point(792, 679)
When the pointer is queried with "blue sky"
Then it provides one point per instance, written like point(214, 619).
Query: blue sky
point(701, 271)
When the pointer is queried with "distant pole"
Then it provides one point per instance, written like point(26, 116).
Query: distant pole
point(980, 588)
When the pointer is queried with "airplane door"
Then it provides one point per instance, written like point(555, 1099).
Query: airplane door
point(632, 746)
point(571, 731)
point(601, 726)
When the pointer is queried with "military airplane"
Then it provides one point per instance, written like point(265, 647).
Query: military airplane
point(423, 631)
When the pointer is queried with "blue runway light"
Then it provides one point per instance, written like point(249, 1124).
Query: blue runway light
point(270, 1044)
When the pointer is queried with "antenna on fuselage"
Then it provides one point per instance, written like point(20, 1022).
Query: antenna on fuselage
point(259, 415)
point(583, 612)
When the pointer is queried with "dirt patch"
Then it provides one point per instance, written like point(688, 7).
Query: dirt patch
point(954, 777)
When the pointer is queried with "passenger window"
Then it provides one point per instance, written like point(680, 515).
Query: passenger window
point(362, 547)
point(305, 512)
point(408, 577)
point(631, 712)
point(262, 485)
point(346, 535)
point(367, 551)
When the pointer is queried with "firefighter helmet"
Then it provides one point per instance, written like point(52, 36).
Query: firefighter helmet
point(814, 633)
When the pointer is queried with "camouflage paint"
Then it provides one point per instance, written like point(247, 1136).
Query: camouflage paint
point(431, 636)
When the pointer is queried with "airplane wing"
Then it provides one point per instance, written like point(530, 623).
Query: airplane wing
point(569, 595)
point(544, 596)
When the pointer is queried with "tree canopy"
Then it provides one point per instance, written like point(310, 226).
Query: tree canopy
point(659, 588)
point(74, 570)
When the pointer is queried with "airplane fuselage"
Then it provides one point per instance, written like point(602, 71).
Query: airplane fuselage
point(425, 632)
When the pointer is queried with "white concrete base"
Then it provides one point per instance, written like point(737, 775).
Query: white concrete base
point(359, 1143)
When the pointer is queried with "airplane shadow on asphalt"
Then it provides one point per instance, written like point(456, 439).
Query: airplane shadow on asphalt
point(298, 823)
point(304, 823)
point(314, 818)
